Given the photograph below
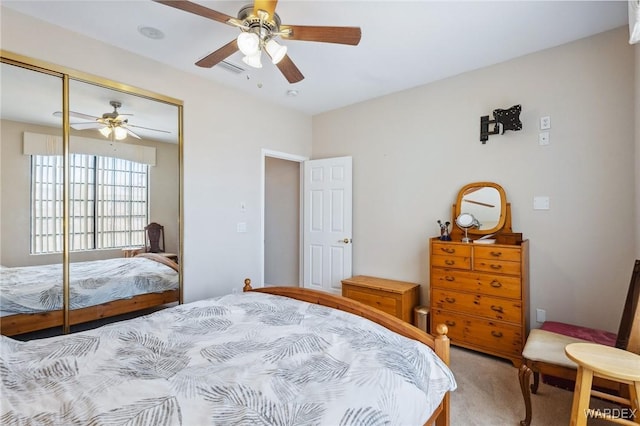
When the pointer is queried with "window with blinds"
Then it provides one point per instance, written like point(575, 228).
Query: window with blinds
point(108, 203)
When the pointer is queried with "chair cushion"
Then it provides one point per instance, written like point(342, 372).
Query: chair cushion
point(547, 346)
point(589, 334)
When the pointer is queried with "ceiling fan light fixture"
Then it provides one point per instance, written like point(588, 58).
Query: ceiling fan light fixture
point(275, 50)
point(253, 60)
point(248, 43)
point(120, 133)
point(105, 131)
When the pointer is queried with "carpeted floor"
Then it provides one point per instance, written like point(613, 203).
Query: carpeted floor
point(489, 394)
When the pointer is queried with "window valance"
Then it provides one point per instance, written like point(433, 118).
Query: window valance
point(41, 144)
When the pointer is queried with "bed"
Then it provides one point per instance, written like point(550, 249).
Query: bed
point(272, 356)
point(31, 297)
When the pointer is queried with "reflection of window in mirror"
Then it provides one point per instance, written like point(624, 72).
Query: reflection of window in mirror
point(135, 178)
point(484, 204)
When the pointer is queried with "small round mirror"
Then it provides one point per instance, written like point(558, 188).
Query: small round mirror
point(466, 221)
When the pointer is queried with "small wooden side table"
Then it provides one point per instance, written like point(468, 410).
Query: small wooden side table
point(131, 251)
point(397, 298)
point(610, 363)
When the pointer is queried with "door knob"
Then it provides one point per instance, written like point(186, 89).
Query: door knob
point(346, 241)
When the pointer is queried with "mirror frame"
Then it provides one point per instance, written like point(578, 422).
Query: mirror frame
point(503, 207)
point(68, 74)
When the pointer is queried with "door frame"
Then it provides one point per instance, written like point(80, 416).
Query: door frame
point(290, 157)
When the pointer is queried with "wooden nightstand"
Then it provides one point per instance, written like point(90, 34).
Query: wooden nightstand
point(397, 298)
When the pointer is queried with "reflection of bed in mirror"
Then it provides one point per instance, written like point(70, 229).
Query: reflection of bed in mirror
point(31, 296)
point(246, 358)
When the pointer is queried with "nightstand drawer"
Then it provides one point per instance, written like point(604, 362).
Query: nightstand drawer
point(475, 304)
point(492, 285)
point(384, 303)
point(397, 298)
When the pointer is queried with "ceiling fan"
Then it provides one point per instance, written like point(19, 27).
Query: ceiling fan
point(110, 122)
point(260, 26)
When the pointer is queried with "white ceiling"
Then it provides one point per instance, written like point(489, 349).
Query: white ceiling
point(404, 43)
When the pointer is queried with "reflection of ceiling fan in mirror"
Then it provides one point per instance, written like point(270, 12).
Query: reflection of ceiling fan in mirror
point(260, 26)
point(113, 123)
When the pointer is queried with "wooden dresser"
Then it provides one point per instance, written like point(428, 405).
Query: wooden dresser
point(397, 298)
point(480, 292)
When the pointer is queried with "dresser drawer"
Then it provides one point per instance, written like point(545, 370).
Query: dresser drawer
point(493, 336)
point(447, 249)
point(496, 266)
point(497, 253)
point(384, 302)
point(491, 285)
point(451, 262)
point(454, 323)
point(476, 304)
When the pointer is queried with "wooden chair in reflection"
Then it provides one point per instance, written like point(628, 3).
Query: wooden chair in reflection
point(154, 237)
point(155, 241)
point(544, 350)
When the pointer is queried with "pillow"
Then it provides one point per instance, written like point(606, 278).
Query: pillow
point(634, 21)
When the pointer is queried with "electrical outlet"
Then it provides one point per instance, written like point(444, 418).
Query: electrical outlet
point(543, 138)
point(541, 315)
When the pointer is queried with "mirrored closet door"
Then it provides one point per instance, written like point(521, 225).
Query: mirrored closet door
point(99, 203)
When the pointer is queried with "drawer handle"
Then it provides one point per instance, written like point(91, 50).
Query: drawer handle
point(496, 333)
point(450, 262)
point(496, 284)
point(450, 323)
point(496, 266)
point(450, 299)
point(449, 278)
point(448, 250)
point(497, 308)
point(496, 253)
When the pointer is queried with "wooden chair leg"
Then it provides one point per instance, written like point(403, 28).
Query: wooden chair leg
point(536, 382)
point(524, 375)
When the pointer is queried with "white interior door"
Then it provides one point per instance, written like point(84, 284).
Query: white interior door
point(327, 231)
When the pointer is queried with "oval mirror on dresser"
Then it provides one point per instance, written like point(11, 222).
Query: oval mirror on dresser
point(486, 202)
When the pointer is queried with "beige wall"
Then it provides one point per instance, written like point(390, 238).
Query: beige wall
point(223, 141)
point(282, 222)
point(413, 150)
point(16, 196)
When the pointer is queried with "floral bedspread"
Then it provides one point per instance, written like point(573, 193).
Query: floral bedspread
point(242, 359)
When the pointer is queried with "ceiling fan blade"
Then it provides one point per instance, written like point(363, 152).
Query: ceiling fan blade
point(197, 9)
point(84, 126)
point(76, 115)
point(289, 70)
point(219, 55)
point(268, 6)
point(130, 132)
point(148, 128)
point(340, 35)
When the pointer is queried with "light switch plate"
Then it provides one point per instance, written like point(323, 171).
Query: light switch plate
point(541, 203)
point(545, 123)
point(242, 227)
